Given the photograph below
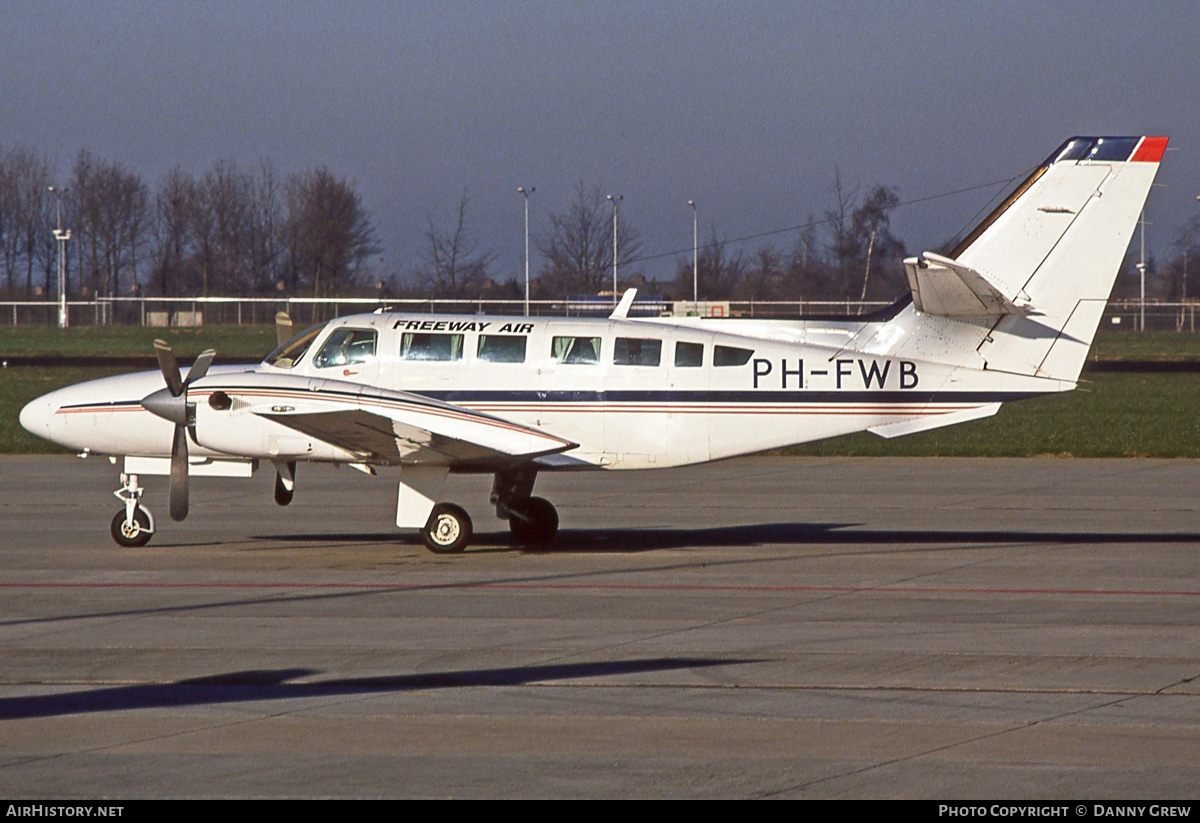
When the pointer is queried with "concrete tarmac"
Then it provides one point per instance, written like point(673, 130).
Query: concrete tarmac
point(767, 627)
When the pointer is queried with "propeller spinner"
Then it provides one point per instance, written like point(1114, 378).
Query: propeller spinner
point(171, 403)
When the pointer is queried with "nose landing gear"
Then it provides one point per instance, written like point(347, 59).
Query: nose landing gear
point(133, 526)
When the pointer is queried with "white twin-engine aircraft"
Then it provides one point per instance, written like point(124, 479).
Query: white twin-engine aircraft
point(1010, 313)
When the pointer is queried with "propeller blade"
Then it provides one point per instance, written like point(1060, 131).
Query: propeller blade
point(169, 366)
point(200, 367)
point(283, 328)
point(179, 475)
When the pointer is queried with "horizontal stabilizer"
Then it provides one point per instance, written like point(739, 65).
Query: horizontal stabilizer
point(947, 288)
point(933, 421)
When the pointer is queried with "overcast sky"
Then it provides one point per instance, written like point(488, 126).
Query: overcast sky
point(745, 107)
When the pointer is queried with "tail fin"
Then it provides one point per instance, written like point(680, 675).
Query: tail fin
point(1040, 267)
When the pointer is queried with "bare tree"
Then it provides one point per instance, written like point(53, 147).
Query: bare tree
point(329, 234)
point(265, 228)
point(871, 232)
point(24, 176)
point(32, 177)
point(453, 266)
point(763, 276)
point(229, 197)
point(112, 213)
point(173, 242)
point(842, 242)
point(718, 271)
point(807, 274)
point(579, 247)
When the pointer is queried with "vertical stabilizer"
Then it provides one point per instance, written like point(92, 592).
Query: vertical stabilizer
point(1044, 262)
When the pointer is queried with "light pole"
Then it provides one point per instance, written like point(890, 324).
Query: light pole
point(62, 237)
point(695, 256)
point(614, 199)
point(1141, 267)
point(525, 192)
point(1185, 265)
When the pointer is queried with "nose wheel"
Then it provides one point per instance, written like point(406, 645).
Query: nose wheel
point(132, 532)
point(132, 526)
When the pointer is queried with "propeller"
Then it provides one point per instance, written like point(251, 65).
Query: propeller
point(172, 404)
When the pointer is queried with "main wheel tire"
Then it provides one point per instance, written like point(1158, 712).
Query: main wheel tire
point(283, 495)
point(535, 523)
point(133, 534)
point(448, 529)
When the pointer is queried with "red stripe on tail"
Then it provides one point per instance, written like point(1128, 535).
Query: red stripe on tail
point(1150, 150)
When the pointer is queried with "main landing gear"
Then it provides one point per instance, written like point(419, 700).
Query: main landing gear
point(133, 525)
point(532, 520)
point(448, 529)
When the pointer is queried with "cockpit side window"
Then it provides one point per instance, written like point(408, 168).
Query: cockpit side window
point(289, 353)
point(346, 347)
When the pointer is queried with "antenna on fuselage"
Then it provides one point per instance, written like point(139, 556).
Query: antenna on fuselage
point(622, 309)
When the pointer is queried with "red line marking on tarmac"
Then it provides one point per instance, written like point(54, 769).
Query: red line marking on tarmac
point(884, 589)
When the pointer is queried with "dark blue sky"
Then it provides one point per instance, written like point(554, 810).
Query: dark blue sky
point(746, 107)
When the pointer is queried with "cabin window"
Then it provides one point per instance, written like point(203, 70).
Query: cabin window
point(289, 353)
point(731, 356)
point(346, 347)
point(633, 351)
point(419, 346)
point(689, 355)
point(576, 349)
point(506, 348)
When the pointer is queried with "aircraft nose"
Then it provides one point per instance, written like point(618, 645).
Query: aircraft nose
point(35, 417)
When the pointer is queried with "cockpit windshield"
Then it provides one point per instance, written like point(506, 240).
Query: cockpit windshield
point(289, 353)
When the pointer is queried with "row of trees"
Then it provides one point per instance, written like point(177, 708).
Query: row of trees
point(848, 254)
point(228, 232)
point(236, 232)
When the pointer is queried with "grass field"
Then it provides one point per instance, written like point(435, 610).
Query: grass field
point(1115, 415)
point(234, 342)
point(1153, 345)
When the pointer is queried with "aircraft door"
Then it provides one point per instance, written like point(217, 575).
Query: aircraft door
point(689, 387)
point(635, 419)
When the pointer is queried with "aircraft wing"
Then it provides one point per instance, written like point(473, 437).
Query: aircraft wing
point(402, 428)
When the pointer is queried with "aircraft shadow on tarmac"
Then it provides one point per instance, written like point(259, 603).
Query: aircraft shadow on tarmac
point(762, 534)
point(272, 684)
